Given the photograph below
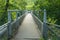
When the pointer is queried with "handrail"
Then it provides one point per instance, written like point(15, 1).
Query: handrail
point(46, 28)
point(3, 26)
point(37, 18)
point(39, 23)
point(52, 30)
point(4, 30)
point(57, 26)
point(14, 10)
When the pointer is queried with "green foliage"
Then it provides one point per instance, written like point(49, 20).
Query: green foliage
point(53, 12)
point(11, 5)
point(3, 16)
point(13, 16)
point(53, 9)
point(17, 4)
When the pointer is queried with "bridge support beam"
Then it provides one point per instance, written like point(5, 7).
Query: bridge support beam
point(45, 26)
point(9, 28)
point(17, 15)
point(45, 31)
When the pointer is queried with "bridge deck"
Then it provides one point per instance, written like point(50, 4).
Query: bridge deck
point(28, 30)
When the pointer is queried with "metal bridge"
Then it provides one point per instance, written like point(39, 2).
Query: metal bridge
point(28, 26)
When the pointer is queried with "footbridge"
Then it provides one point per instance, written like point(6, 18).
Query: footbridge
point(29, 26)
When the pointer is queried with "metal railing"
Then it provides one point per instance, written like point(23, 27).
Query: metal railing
point(49, 31)
point(53, 31)
point(3, 32)
point(9, 29)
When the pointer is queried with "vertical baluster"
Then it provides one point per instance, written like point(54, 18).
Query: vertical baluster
point(44, 20)
point(20, 13)
point(9, 25)
point(17, 15)
point(9, 16)
point(17, 23)
point(44, 26)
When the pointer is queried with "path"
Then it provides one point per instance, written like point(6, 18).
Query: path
point(28, 30)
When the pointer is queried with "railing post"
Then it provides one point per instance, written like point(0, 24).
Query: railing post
point(9, 25)
point(20, 13)
point(9, 16)
point(17, 15)
point(17, 23)
point(38, 15)
point(44, 26)
point(44, 20)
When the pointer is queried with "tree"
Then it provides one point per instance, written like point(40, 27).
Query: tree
point(11, 5)
point(52, 7)
point(3, 17)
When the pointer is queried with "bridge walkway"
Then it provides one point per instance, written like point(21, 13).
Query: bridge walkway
point(28, 30)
